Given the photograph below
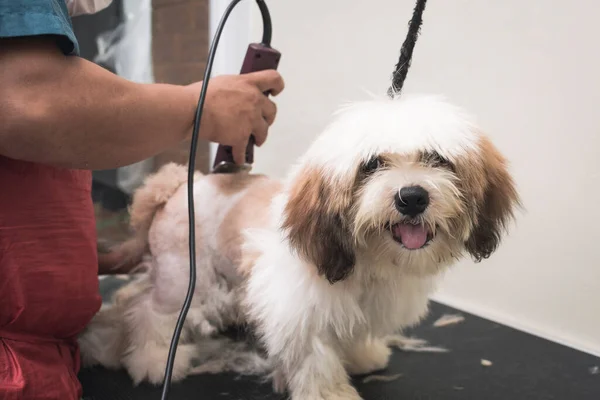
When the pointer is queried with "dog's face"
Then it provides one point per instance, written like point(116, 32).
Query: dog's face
point(410, 184)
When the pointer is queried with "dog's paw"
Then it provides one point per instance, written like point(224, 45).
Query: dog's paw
point(148, 363)
point(368, 356)
point(343, 391)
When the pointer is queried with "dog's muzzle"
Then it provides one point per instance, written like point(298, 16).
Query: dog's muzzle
point(411, 202)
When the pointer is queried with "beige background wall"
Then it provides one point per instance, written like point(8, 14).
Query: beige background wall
point(180, 33)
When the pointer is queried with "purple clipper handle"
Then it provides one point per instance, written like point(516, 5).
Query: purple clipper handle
point(258, 58)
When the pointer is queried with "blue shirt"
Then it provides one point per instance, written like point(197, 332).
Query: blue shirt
point(19, 18)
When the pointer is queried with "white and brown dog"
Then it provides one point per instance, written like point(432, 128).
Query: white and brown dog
point(324, 266)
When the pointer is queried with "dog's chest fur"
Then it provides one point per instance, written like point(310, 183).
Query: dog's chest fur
point(392, 302)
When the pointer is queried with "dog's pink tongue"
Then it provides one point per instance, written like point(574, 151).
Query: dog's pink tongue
point(411, 236)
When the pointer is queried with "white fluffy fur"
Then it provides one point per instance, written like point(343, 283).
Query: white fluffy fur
point(315, 333)
point(405, 126)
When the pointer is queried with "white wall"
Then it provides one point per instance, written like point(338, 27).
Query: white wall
point(529, 71)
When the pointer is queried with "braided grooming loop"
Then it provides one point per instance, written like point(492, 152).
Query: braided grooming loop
point(414, 26)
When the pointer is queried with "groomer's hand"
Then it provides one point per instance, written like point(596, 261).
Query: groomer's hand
point(237, 107)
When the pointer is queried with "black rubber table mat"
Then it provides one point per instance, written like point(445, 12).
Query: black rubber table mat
point(523, 367)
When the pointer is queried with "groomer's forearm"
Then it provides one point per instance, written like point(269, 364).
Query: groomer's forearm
point(75, 114)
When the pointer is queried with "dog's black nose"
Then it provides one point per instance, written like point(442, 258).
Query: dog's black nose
point(412, 200)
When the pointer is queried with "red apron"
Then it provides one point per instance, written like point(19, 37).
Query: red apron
point(48, 278)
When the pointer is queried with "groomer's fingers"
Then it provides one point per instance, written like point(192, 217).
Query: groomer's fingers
point(267, 81)
point(269, 110)
point(239, 154)
point(260, 130)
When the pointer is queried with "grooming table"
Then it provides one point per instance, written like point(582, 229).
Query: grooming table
point(523, 367)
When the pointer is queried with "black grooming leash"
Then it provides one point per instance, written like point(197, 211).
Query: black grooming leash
point(406, 52)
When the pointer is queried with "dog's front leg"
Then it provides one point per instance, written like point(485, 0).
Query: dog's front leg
point(317, 373)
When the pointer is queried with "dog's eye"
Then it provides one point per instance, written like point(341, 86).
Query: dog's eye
point(372, 165)
point(435, 160)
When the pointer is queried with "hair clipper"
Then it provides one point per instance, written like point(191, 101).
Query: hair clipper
point(259, 57)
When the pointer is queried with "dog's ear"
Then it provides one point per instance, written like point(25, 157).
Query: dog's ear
point(495, 207)
point(316, 218)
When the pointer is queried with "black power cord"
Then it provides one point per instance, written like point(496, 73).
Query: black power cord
point(267, 25)
point(398, 79)
point(266, 40)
